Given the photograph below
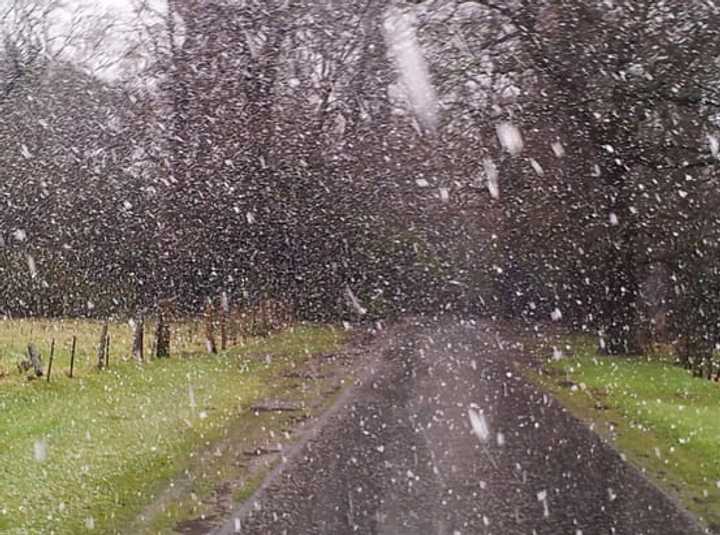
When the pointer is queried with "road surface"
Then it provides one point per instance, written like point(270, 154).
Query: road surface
point(444, 438)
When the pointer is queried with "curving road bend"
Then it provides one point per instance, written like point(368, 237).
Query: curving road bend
point(444, 438)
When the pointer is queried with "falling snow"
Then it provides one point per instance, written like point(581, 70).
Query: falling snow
point(414, 71)
point(429, 207)
point(510, 138)
point(479, 424)
point(40, 451)
point(558, 149)
point(491, 177)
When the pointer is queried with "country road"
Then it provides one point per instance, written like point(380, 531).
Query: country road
point(443, 438)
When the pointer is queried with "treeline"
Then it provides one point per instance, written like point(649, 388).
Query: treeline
point(568, 170)
point(617, 225)
point(228, 164)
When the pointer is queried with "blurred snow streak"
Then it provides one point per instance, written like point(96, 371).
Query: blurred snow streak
point(404, 48)
point(479, 425)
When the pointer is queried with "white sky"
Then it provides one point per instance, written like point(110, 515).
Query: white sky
point(120, 4)
point(97, 16)
point(115, 5)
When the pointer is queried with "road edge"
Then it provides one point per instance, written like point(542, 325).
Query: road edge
point(371, 360)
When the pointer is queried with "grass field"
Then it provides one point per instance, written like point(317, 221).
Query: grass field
point(666, 421)
point(88, 454)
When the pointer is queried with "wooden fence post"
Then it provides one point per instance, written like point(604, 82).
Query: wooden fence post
point(102, 344)
point(222, 319)
point(50, 359)
point(72, 355)
point(139, 339)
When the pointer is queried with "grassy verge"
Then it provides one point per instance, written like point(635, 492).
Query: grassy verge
point(665, 421)
point(89, 454)
point(227, 472)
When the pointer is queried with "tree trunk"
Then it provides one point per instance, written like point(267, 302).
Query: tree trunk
point(683, 351)
point(102, 346)
point(162, 337)
point(139, 339)
point(620, 316)
point(700, 351)
point(621, 319)
point(234, 316)
point(254, 323)
point(260, 324)
point(209, 328)
point(709, 366)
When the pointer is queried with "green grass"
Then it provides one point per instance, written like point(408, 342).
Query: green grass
point(93, 451)
point(662, 418)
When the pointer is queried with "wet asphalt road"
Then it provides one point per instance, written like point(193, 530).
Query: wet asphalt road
point(400, 456)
